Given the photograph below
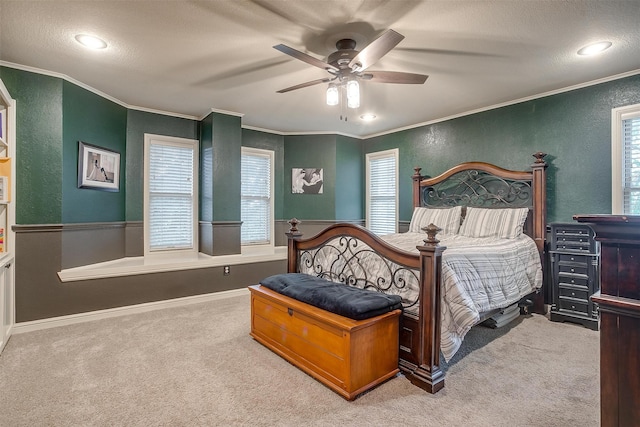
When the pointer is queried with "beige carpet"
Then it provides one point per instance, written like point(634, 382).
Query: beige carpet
point(198, 366)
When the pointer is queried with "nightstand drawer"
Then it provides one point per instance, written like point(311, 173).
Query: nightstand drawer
point(574, 293)
point(570, 230)
point(572, 238)
point(573, 269)
point(573, 259)
point(574, 246)
point(573, 279)
point(575, 306)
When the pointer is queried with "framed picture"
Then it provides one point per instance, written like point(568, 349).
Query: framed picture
point(4, 189)
point(306, 180)
point(98, 168)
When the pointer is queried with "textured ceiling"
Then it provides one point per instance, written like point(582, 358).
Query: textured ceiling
point(189, 57)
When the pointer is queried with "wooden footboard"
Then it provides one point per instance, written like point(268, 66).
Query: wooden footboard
point(341, 253)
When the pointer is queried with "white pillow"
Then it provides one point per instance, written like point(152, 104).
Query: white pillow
point(501, 223)
point(446, 218)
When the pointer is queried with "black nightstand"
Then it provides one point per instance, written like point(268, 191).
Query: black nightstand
point(575, 273)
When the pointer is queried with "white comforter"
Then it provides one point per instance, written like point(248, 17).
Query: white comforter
point(478, 274)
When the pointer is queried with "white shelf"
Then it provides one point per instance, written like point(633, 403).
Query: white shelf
point(7, 213)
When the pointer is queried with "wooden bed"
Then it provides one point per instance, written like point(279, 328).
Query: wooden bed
point(471, 184)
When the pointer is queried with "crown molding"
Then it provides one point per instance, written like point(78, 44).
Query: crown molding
point(506, 104)
point(365, 137)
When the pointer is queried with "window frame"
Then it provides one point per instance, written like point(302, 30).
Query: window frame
point(173, 254)
point(271, 155)
point(618, 115)
point(394, 152)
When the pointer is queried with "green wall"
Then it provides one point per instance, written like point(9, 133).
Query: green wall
point(275, 143)
point(139, 123)
point(221, 141)
point(310, 151)
point(350, 179)
point(94, 120)
point(52, 115)
point(342, 160)
point(39, 162)
point(574, 128)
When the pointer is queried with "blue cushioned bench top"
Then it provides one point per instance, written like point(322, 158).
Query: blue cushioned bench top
point(338, 298)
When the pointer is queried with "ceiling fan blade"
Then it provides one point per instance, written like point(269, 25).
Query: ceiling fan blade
point(376, 50)
point(304, 57)
point(301, 85)
point(450, 52)
point(394, 77)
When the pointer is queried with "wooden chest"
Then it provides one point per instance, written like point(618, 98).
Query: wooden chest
point(348, 356)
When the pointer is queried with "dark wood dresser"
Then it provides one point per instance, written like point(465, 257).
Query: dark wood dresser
point(575, 273)
point(619, 302)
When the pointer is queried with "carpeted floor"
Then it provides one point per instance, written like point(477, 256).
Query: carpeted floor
point(197, 366)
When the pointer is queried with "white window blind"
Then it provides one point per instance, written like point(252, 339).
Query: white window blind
point(631, 164)
point(171, 194)
point(382, 192)
point(256, 196)
point(625, 160)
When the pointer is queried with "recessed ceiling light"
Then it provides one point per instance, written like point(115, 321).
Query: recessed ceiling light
point(594, 48)
point(368, 117)
point(91, 42)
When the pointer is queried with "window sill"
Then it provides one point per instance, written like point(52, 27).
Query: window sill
point(139, 265)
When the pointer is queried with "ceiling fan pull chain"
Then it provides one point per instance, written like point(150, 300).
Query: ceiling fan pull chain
point(342, 110)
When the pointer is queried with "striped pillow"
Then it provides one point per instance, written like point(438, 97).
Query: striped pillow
point(446, 218)
point(501, 223)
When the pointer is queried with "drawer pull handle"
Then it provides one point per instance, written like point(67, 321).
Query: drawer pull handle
point(290, 311)
point(572, 270)
point(573, 281)
point(572, 258)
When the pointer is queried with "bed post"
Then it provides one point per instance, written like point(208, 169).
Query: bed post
point(416, 186)
point(539, 187)
point(427, 374)
point(293, 235)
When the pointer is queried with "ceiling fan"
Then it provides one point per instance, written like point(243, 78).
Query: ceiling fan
point(348, 64)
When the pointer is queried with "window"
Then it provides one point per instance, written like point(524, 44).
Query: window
point(382, 191)
point(170, 196)
point(256, 194)
point(625, 160)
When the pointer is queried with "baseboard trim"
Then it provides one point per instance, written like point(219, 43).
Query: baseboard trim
point(54, 322)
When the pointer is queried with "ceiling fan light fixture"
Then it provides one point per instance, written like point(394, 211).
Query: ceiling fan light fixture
point(353, 94)
point(332, 94)
point(347, 65)
point(91, 42)
point(594, 48)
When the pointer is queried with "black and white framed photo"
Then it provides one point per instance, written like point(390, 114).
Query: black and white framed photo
point(98, 168)
point(306, 180)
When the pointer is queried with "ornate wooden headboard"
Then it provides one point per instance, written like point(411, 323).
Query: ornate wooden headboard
point(484, 185)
